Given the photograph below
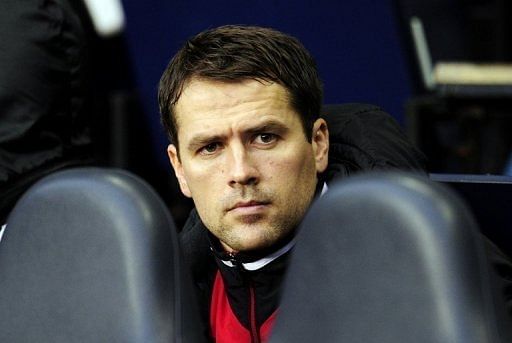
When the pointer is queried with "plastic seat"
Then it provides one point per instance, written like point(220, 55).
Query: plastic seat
point(390, 258)
point(91, 255)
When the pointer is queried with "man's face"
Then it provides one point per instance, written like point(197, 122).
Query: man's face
point(245, 160)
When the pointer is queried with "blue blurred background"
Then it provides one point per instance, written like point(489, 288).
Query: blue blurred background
point(356, 45)
point(364, 51)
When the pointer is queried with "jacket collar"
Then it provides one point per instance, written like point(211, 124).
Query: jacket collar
point(251, 260)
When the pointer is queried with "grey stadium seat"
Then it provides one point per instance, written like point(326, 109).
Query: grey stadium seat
point(389, 258)
point(91, 255)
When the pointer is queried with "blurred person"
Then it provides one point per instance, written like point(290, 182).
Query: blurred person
point(44, 117)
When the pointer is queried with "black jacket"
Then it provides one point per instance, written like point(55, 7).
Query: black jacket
point(362, 138)
point(44, 118)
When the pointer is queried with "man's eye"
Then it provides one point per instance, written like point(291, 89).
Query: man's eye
point(265, 138)
point(209, 149)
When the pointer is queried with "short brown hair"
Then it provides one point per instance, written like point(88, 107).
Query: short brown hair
point(234, 53)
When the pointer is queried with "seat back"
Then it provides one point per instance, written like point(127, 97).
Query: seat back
point(389, 258)
point(489, 198)
point(91, 255)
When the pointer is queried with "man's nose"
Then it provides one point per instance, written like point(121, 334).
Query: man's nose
point(243, 168)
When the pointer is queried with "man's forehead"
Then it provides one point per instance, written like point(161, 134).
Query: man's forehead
point(201, 95)
point(195, 86)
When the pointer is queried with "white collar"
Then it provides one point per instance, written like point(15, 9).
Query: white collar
point(262, 262)
point(324, 189)
point(2, 230)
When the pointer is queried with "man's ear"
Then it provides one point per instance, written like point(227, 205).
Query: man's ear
point(178, 169)
point(320, 142)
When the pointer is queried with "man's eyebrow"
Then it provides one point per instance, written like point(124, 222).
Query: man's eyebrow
point(201, 140)
point(269, 126)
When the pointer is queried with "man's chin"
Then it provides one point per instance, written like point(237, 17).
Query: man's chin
point(250, 219)
point(252, 238)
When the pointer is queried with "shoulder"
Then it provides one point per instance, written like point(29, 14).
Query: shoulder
point(195, 246)
point(364, 137)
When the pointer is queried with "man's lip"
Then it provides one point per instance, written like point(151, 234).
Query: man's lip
point(251, 203)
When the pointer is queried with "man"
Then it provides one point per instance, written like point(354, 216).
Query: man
point(242, 109)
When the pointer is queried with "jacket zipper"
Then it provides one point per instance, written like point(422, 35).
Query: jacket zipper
point(255, 335)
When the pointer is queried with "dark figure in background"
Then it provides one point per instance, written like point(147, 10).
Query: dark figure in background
point(44, 110)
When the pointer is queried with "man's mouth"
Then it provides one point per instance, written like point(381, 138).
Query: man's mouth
point(248, 206)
